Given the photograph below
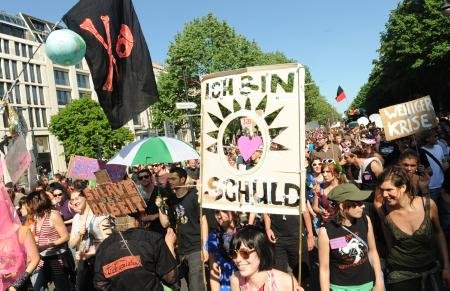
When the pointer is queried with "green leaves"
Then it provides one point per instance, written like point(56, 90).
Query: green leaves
point(414, 57)
point(82, 128)
point(207, 45)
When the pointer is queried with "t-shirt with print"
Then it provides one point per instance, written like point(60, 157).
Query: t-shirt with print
point(349, 261)
point(186, 212)
point(139, 264)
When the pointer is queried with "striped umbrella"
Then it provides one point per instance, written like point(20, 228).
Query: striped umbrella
point(154, 150)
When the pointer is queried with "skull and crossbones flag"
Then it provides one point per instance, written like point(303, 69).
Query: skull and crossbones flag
point(117, 56)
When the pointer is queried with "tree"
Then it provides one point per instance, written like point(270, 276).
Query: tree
point(207, 45)
point(83, 129)
point(414, 58)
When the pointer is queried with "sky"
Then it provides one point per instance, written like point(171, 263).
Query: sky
point(337, 40)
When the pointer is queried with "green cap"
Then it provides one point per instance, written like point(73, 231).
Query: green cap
point(348, 191)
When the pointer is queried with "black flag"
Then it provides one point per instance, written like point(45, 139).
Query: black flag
point(340, 95)
point(117, 55)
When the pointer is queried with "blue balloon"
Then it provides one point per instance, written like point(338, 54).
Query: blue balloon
point(65, 47)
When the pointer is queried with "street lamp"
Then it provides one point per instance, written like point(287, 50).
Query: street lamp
point(446, 8)
point(186, 95)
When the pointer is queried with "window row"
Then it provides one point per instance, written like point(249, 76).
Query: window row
point(37, 117)
point(23, 50)
point(9, 70)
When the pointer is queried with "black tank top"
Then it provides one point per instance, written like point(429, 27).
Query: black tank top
point(349, 261)
point(412, 252)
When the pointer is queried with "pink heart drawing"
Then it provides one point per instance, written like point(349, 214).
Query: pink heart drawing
point(247, 146)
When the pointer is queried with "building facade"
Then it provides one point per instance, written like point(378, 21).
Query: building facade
point(40, 88)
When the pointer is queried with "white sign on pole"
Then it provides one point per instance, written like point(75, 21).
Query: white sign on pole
point(260, 170)
point(185, 105)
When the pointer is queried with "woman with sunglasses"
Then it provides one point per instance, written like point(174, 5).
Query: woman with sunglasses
point(221, 265)
point(413, 233)
point(58, 195)
point(313, 180)
point(88, 231)
point(253, 255)
point(348, 258)
point(332, 176)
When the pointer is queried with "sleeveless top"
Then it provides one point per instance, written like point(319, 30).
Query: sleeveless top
point(349, 261)
point(412, 252)
point(270, 280)
point(46, 234)
point(367, 176)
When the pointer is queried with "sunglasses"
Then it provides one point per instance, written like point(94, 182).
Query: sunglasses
point(156, 165)
point(315, 165)
point(354, 204)
point(57, 194)
point(329, 161)
point(143, 177)
point(245, 254)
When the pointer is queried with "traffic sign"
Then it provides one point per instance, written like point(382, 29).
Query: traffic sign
point(185, 105)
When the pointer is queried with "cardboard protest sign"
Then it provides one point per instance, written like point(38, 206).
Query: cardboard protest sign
point(102, 177)
point(17, 159)
point(253, 139)
point(84, 168)
point(408, 118)
point(116, 199)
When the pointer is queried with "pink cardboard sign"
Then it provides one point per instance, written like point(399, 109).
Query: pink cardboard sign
point(84, 168)
point(18, 159)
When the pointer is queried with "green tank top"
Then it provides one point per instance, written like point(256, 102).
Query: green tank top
point(412, 252)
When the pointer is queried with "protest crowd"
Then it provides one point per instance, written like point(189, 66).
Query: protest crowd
point(377, 217)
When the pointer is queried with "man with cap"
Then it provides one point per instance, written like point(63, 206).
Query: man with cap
point(348, 256)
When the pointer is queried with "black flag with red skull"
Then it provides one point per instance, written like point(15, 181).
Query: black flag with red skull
point(117, 55)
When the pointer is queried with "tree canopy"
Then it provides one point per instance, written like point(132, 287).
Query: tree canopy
point(207, 45)
point(414, 58)
point(83, 129)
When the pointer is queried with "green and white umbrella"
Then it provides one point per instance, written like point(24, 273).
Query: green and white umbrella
point(154, 150)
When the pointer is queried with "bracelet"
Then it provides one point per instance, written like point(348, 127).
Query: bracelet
point(21, 280)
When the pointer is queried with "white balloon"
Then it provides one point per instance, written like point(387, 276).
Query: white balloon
point(363, 121)
point(376, 118)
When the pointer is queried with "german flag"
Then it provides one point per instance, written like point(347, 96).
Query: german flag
point(340, 95)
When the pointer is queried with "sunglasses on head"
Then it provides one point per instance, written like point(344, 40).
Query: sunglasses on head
point(143, 177)
point(329, 161)
point(245, 254)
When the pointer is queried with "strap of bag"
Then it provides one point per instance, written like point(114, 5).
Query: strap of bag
point(433, 158)
point(356, 236)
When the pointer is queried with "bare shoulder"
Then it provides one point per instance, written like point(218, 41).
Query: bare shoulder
point(234, 281)
point(284, 280)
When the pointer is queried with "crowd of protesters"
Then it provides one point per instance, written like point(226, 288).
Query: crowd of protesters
point(377, 217)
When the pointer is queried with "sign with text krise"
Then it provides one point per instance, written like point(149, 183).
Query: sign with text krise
point(253, 139)
point(408, 118)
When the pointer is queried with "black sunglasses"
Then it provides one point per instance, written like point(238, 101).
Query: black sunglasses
point(354, 204)
point(143, 177)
